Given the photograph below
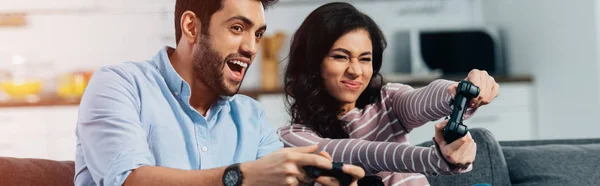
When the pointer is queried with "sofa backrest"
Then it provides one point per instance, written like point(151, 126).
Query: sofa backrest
point(553, 162)
point(550, 142)
point(489, 166)
point(27, 171)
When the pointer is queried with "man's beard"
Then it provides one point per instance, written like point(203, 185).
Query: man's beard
point(208, 68)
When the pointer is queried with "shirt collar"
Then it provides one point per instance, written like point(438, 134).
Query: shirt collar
point(172, 78)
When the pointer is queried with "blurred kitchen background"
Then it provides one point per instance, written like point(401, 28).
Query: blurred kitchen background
point(544, 53)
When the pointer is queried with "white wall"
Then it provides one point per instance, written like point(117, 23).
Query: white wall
point(83, 34)
point(87, 40)
point(392, 16)
point(557, 42)
point(95, 33)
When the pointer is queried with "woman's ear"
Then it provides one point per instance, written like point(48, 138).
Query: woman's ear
point(190, 27)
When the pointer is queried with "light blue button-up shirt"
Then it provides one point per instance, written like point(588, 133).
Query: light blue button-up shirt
point(138, 113)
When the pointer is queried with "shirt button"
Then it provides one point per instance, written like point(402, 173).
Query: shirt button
point(204, 149)
point(176, 93)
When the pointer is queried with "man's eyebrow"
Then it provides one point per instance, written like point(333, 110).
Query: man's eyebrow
point(243, 19)
point(262, 28)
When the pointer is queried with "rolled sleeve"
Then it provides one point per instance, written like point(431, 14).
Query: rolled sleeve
point(113, 140)
point(122, 165)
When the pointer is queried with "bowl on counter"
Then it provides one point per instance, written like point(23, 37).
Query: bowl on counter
point(22, 80)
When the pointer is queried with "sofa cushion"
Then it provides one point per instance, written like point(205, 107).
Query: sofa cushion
point(24, 171)
point(553, 164)
point(489, 166)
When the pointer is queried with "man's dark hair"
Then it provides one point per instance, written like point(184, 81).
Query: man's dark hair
point(204, 9)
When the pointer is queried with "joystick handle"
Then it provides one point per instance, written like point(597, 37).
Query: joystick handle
point(455, 128)
point(335, 171)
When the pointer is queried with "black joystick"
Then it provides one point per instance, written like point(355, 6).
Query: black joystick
point(455, 128)
point(335, 171)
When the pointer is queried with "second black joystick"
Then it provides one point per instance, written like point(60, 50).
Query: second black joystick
point(335, 171)
point(455, 128)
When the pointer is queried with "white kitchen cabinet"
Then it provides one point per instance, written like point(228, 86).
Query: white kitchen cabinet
point(275, 109)
point(509, 117)
point(61, 135)
point(38, 132)
point(23, 132)
point(49, 132)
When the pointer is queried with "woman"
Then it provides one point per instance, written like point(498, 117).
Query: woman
point(338, 102)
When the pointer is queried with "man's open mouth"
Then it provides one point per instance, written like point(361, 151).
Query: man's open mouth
point(237, 67)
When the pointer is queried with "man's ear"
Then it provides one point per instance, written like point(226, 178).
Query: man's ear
point(190, 27)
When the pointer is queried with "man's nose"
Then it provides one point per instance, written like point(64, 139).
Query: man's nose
point(249, 47)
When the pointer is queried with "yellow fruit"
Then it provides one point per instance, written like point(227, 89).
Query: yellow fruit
point(71, 86)
point(22, 88)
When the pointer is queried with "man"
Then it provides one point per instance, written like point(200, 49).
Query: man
point(174, 120)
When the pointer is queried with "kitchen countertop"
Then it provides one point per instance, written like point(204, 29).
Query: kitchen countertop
point(50, 100)
point(425, 80)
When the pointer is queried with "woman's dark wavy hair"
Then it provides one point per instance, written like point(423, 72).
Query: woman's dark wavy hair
point(309, 102)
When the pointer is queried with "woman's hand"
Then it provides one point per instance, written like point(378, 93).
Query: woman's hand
point(488, 87)
point(460, 152)
point(356, 171)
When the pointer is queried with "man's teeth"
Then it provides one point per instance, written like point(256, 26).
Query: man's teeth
point(242, 64)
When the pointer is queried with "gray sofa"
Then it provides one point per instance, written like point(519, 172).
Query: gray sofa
point(529, 163)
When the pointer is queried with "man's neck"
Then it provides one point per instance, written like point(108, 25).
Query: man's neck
point(202, 97)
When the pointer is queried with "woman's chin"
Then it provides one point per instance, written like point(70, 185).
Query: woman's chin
point(347, 99)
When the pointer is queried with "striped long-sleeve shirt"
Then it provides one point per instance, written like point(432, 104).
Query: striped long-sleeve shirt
point(378, 134)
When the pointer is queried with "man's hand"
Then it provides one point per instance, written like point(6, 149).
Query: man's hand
point(356, 171)
point(488, 88)
point(460, 152)
point(284, 167)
